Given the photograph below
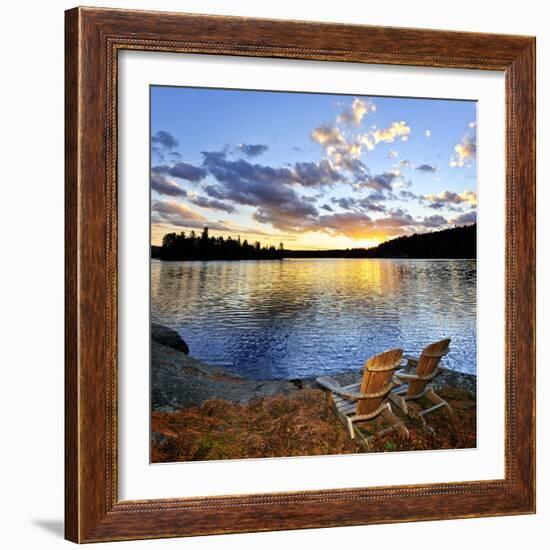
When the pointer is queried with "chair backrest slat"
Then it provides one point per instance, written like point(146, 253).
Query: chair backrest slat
point(428, 362)
point(377, 374)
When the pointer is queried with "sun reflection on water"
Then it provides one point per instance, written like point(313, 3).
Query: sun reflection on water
point(307, 317)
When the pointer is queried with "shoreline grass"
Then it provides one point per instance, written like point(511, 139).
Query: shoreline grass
point(294, 425)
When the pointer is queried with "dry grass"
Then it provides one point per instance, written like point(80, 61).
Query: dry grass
point(299, 425)
point(441, 432)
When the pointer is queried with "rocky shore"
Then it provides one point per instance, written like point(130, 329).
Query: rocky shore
point(179, 380)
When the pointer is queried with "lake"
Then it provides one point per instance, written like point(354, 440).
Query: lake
point(296, 318)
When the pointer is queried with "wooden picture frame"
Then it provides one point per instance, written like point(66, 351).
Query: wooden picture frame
point(93, 511)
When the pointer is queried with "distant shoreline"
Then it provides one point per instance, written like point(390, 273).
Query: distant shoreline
point(307, 258)
point(458, 243)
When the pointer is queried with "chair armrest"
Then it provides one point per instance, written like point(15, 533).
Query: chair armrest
point(402, 375)
point(333, 386)
point(397, 381)
point(411, 358)
point(330, 384)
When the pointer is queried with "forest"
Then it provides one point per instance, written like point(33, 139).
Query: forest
point(204, 247)
point(457, 242)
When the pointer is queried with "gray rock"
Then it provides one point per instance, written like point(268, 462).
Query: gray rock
point(168, 337)
point(179, 380)
point(457, 379)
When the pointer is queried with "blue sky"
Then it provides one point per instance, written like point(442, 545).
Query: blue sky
point(310, 170)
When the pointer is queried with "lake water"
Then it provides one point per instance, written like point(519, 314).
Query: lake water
point(308, 317)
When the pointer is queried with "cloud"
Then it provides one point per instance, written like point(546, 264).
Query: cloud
point(181, 170)
point(351, 224)
point(407, 195)
point(401, 183)
point(271, 193)
point(428, 133)
point(175, 213)
point(396, 218)
point(347, 203)
point(367, 141)
point(164, 186)
point(165, 140)
point(378, 196)
point(433, 221)
point(472, 124)
point(186, 171)
point(311, 198)
point(162, 144)
point(269, 190)
point(344, 155)
point(369, 203)
point(392, 154)
point(464, 151)
point(312, 173)
point(427, 168)
point(355, 113)
point(359, 225)
point(464, 219)
point(246, 182)
point(347, 157)
point(405, 163)
point(252, 151)
point(173, 208)
point(388, 135)
point(212, 204)
point(381, 182)
point(451, 197)
point(307, 174)
point(327, 136)
point(291, 216)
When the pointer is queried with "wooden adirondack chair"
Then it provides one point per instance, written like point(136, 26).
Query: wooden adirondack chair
point(365, 400)
point(414, 385)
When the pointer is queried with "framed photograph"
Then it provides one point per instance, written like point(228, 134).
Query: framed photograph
point(300, 275)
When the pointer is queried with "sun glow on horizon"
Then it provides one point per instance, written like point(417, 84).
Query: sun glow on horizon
point(305, 241)
point(311, 171)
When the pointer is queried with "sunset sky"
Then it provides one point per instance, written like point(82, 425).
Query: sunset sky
point(314, 171)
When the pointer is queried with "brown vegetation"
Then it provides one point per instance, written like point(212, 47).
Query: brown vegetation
point(297, 425)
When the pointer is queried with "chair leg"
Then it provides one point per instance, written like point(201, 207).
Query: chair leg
point(399, 401)
point(395, 422)
point(345, 420)
point(438, 402)
point(350, 427)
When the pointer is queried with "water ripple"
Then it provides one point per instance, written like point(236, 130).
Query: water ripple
point(308, 317)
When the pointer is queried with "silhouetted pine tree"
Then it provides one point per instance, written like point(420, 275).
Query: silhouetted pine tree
point(458, 242)
point(182, 247)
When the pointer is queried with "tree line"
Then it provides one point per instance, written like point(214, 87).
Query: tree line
point(458, 242)
point(179, 246)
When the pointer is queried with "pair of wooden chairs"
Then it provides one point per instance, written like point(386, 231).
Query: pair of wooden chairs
point(384, 382)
